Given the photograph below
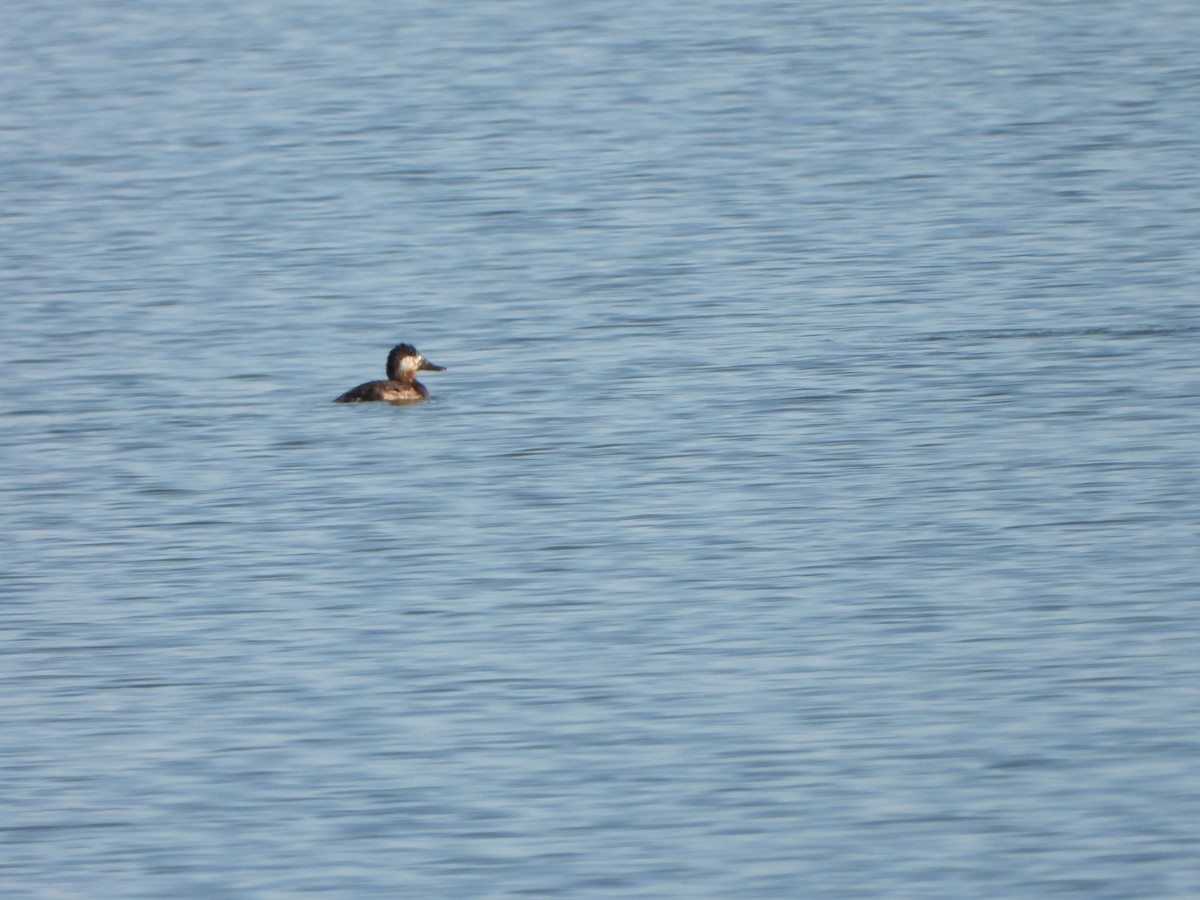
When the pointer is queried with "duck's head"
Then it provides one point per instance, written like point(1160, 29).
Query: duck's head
point(405, 360)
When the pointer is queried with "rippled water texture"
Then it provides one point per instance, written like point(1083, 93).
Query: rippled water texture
point(808, 507)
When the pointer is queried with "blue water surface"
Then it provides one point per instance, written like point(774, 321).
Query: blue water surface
point(809, 506)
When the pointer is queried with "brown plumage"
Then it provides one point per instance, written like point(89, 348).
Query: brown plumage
point(401, 385)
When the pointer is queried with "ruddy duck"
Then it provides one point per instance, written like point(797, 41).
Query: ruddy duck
point(401, 385)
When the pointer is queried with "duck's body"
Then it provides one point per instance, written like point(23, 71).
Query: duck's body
point(401, 385)
point(387, 391)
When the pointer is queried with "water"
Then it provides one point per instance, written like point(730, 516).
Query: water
point(808, 508)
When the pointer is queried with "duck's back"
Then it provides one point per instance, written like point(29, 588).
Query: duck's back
point(387, 391)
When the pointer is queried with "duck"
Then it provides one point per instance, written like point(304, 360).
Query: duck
point(401, 386)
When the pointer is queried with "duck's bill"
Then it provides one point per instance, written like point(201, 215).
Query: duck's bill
point(426, 364)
